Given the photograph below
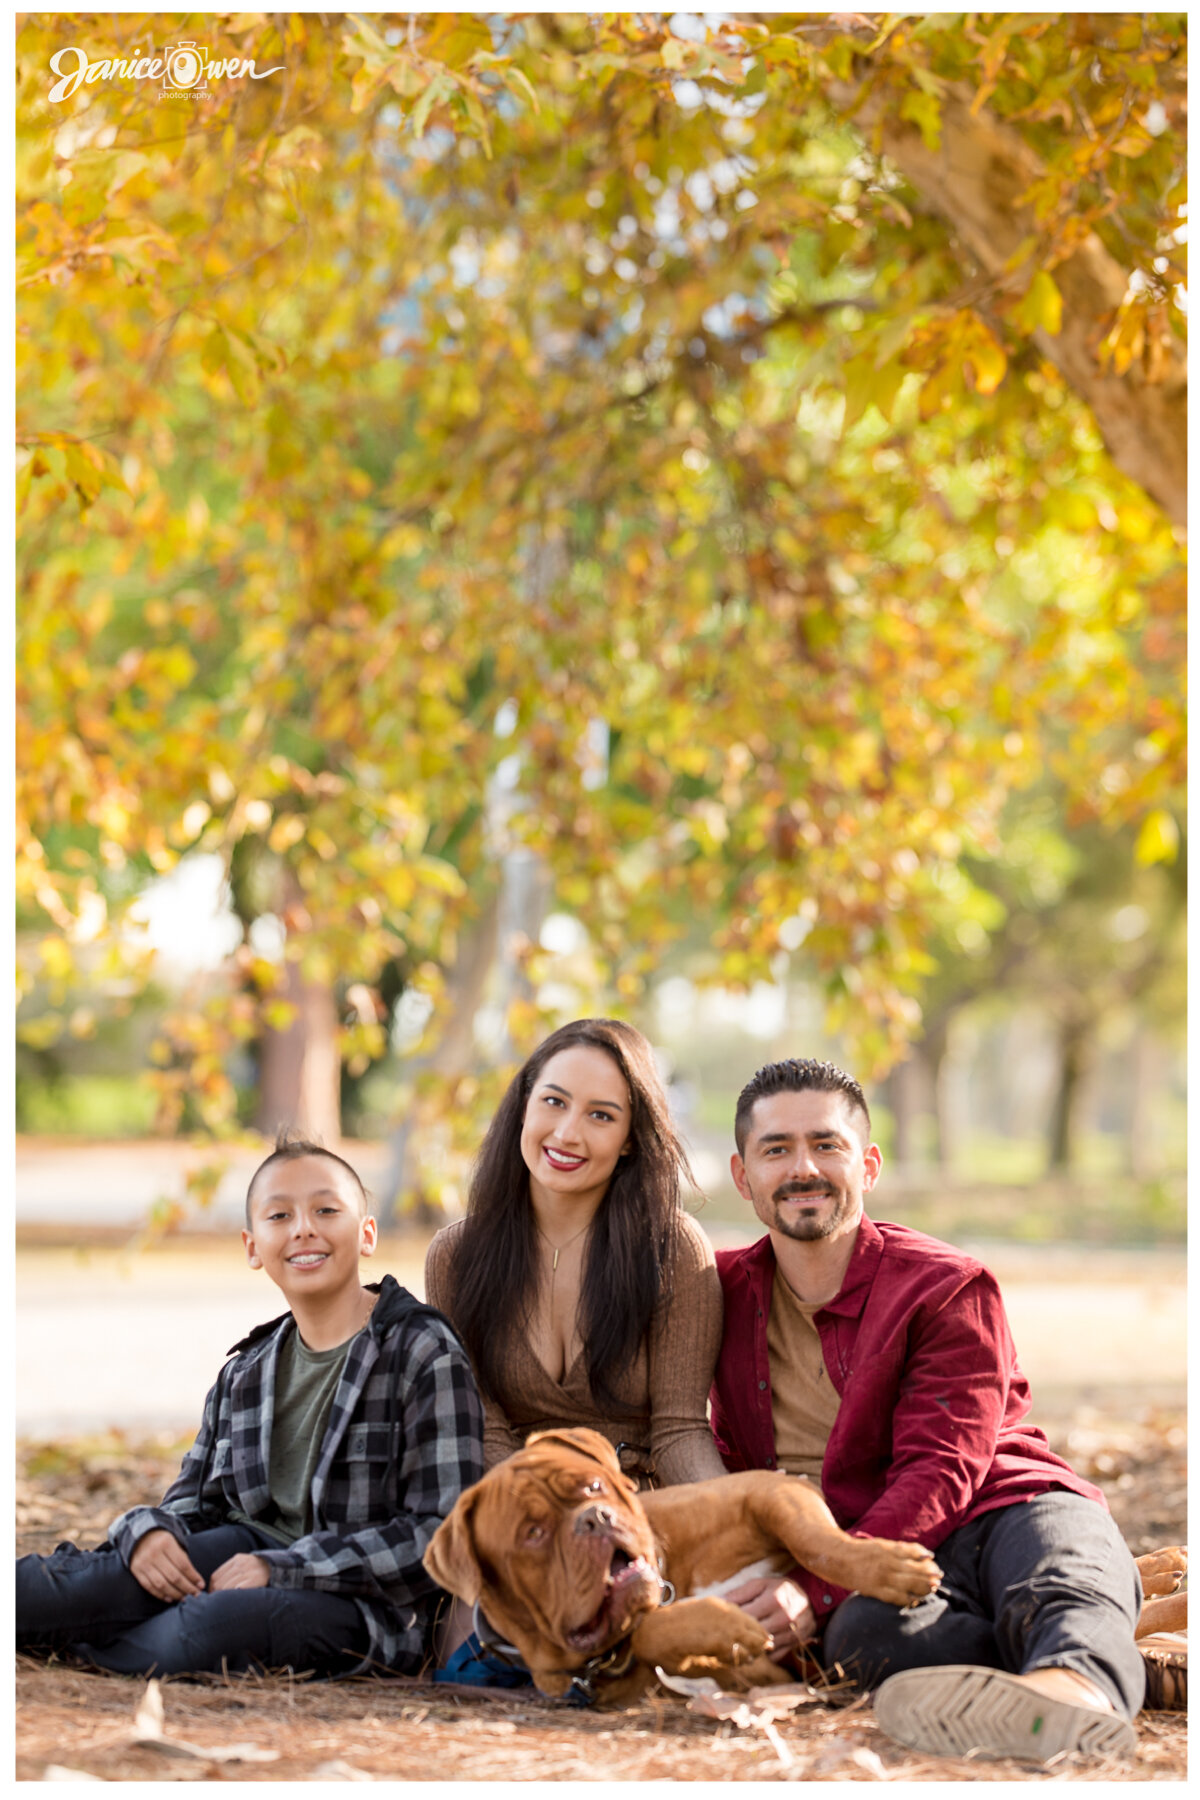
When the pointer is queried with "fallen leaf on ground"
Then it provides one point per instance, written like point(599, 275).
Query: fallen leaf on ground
point(148, 1719)
point(149, 1734)
point(690, 1685)
point(872, 1764)
point(753, 1711)
point(758, 1708)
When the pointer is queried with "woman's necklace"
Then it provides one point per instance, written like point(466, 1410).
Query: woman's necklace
point(558, 1247)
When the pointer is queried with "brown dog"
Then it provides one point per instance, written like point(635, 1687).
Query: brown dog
point(579, 1572)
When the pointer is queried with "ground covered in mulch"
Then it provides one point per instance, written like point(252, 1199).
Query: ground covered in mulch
point(274, 1729)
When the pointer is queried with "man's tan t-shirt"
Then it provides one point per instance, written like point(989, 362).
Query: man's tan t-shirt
point(804, 1402)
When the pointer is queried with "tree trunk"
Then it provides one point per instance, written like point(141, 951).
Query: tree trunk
point(1074, 1060)
point(300, 1067)
point(904, 1099)
point(525, 897)
point(976, 179)
point(455, 1049)
point(1144, 1142)
point(935, 1048)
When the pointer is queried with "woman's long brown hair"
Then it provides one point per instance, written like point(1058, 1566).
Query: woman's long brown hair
point(630, 1255)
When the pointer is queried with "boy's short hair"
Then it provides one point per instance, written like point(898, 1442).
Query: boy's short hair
point(797, 1074)
point(290, 1147)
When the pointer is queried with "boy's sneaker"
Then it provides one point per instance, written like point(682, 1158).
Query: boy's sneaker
point(961, 1710)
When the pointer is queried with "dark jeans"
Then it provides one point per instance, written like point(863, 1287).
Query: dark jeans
point(86, 1601)
point(1045, 1583)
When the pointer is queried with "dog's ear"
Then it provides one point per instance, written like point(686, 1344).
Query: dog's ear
point(450, 1554)
point(585, 1441)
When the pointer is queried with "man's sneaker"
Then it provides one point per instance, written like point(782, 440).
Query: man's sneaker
point(961, 1710)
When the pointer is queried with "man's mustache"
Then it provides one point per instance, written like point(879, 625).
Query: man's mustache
point(793, 1190)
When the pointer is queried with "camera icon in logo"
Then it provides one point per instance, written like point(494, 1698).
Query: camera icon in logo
point(185, 65)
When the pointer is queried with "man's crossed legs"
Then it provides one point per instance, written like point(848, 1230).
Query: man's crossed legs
point(1043, 1585)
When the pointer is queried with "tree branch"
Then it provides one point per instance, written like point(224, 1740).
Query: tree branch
point(976, 180)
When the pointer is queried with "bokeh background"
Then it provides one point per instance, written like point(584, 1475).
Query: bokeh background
point(531, 515)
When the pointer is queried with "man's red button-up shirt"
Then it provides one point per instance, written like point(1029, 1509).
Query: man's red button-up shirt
point(928, 1433)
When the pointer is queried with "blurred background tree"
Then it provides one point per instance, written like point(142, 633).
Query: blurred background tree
point(709, 498)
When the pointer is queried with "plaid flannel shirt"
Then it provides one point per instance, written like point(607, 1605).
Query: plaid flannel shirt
point(404, 1438)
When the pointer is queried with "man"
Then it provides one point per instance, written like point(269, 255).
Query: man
point(879, 1361)
point(331, 1447)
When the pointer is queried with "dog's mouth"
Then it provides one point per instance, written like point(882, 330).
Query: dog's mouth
point(629, 1586)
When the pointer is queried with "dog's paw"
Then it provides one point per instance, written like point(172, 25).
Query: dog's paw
point(899, 1573)
point(752, 1641)
point(1162, 1571)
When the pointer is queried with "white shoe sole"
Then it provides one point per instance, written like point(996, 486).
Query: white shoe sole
point(961, 1710)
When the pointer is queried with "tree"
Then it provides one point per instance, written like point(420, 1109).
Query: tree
point(1083, 923)
point(314, 363)
point(1022, 133)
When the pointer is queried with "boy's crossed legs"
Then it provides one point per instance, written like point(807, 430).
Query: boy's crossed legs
point(88, 1602)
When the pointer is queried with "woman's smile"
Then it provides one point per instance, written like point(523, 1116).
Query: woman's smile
point(563, 1160)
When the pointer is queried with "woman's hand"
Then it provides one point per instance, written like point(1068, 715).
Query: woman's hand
point(244, 1571)
point(781, 1608)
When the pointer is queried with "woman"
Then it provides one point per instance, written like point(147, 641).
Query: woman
point(583, 1292)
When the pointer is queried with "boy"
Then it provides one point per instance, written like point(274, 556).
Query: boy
point(331, 1447)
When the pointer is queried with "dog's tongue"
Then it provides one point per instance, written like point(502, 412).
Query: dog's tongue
point(623, 1576)
point(624, 1573)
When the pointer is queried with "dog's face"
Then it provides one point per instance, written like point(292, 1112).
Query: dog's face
point(555, 1546)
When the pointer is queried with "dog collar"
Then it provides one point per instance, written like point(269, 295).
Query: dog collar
point(491, 1646)
point(616, 1661)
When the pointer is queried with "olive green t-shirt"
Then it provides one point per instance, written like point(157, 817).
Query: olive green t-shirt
point(305, 1383)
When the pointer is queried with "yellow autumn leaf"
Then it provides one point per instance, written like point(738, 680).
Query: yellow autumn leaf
point(1158, 839)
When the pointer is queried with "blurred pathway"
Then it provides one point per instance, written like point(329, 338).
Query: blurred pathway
point(106, 1338)
point(112, 1338)
point(63, 1182)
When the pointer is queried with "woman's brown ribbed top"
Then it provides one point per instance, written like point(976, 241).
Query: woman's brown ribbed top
point(667, 1384)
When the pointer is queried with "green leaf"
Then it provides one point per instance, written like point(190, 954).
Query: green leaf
point(858, 376)
point(924, 111)
point(439, 89)
point(517, 78)
point(1040, 308)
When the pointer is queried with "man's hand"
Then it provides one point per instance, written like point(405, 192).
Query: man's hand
point(782, 1607)
point(244, 1571)
point(163, 1567)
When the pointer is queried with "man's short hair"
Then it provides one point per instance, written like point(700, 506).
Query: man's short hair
point(290, 1147)
point(794, 1076)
